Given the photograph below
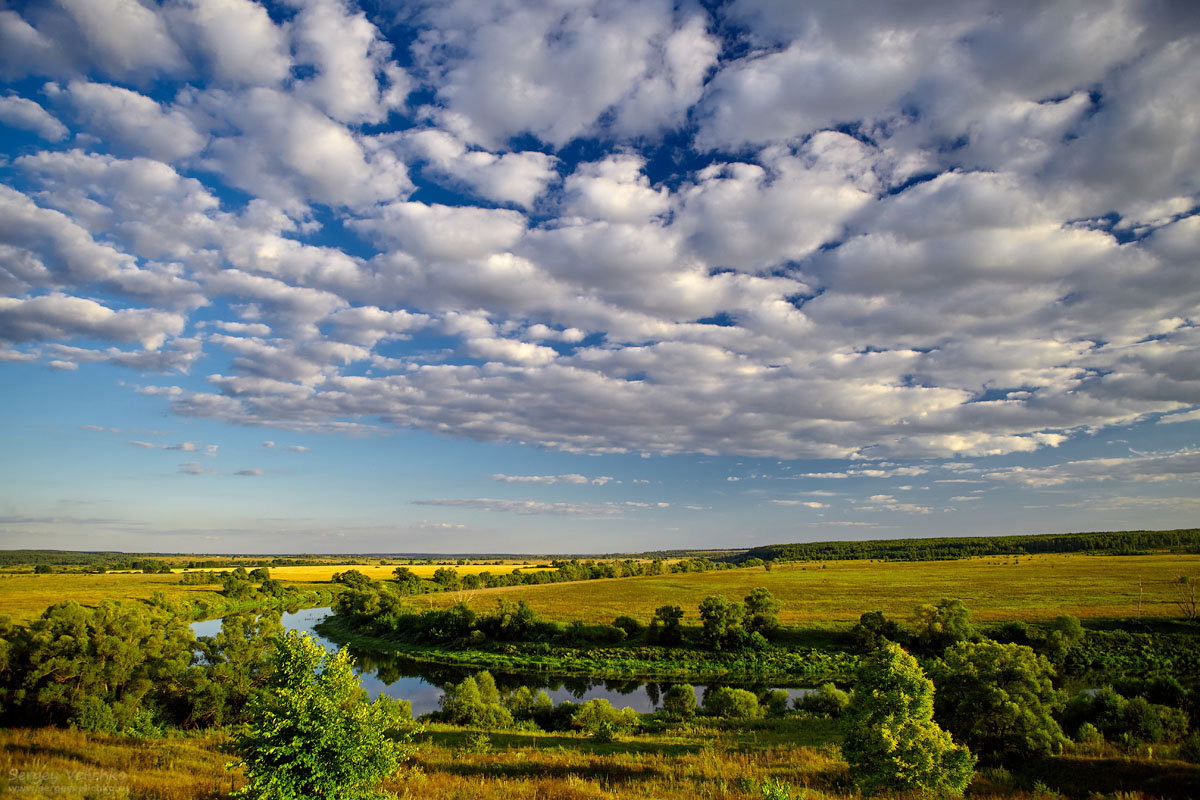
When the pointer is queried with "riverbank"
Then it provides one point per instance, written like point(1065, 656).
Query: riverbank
point(646, 663)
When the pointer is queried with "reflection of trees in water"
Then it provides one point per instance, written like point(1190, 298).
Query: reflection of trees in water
point(392, 667)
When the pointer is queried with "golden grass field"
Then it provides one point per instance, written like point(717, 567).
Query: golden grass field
point(698, 762)
point(995, 588)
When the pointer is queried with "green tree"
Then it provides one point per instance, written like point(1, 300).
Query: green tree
point(679, 701)
point(475, 701)
point(446, 578)
point(315, 734)
point(937, 626)
point(666, 624)
point(998, 699)
point(762, 611)
point(722, 701)
point(890, 738)
point(722, 621)
point(407, 581)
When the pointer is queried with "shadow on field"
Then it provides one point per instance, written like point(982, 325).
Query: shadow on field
point(501, 740)
point(1080, 776)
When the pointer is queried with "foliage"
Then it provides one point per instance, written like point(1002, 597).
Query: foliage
point(1121, 719)
point(722, 622)
point(475, 701)
point(315, 734)
point(598, 718)
point(998, 699)
point(762, 611)
point(666, 625)
point(937, 626)
point(827, 699)
point(628, 624)
point(1189, 749)
point(722, 701)
point(890, 738)
point(236, 666)
point(679, 701)
point(95, 668)
point(933, 549)
point(776, 702)
point(873, 630)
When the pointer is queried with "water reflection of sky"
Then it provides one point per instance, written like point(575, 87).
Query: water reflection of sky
point(425, 695)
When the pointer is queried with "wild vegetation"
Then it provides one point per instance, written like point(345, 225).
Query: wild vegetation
point(992, 705)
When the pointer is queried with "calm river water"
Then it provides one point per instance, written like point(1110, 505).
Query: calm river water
point(420, 684)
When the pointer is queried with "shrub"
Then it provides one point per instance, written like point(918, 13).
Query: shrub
point(599, 719)
point(873, 630)
point(1089, 734)
point(475, 701)
point(890, 738)
point(1189, 750)
point(628, 624)
point(679, 701)
point(828, 700)
point(776, 702)
point(728, 703)
point(316, 734)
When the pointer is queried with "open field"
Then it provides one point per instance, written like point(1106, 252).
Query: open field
point(324, 572)
point(994, 588)
point(25, 597)
point(696, 761)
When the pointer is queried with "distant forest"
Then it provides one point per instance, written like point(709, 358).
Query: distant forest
point(1185, 540)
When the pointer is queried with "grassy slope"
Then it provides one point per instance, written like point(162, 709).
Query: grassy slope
point(995, 588)
point(687, 763)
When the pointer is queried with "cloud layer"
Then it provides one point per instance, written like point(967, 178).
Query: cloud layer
point(760, 229)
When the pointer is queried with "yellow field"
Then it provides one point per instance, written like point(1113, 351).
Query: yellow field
point(324, 572)
point(995, 588)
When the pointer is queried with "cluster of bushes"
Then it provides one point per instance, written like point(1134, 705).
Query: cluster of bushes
point(477, 702)
point(131, 668)
point(1108, 715)
point(242, 585)
point(933, 627)
point(996, 697)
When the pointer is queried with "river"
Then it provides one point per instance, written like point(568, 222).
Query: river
point(420, 684)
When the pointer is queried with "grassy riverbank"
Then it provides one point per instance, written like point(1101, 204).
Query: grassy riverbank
point(779, 666)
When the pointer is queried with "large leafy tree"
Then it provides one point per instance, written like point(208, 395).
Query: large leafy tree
point(723, 622)
point(762, 611)
point(315, 734)
point(937, 626)
point(891, 740)
point(999, 699)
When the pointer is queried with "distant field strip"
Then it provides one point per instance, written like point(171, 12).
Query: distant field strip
point(994, 588)
point(324, 572)
point(25, 596)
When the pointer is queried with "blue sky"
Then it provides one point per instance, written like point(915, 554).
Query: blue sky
point(594, 276)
